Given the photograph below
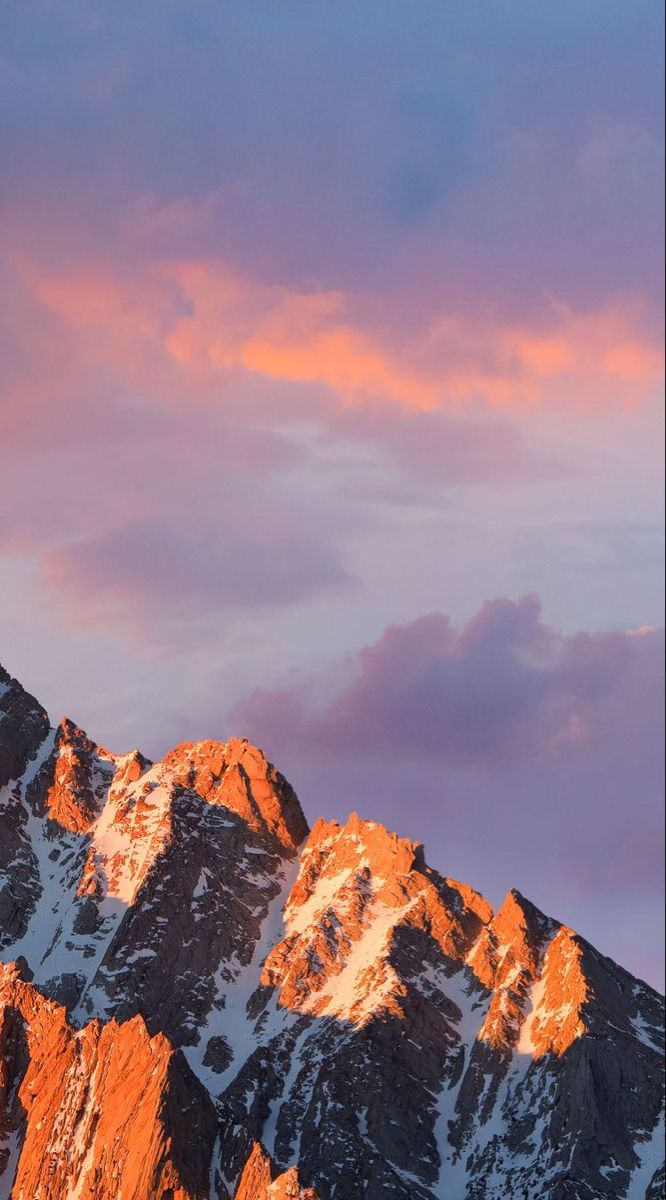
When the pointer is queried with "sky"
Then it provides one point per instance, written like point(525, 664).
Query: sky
point(332, 413)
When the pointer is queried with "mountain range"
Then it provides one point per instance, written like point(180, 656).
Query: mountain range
point(203, 999)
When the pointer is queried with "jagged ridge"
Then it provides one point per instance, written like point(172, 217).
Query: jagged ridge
point(326, 1000)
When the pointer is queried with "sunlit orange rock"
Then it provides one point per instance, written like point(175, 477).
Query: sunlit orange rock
point(558, 1015)
point(106, 1113)
point(237, 775)
point(359, 886)
point(261, 1180)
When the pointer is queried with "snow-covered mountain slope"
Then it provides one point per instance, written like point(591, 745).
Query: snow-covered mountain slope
point(211, 1002)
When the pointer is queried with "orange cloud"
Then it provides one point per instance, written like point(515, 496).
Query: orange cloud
point(543, 355)
point(597, 357)
point(325, 338)
point(203, 319)
point(345, 361)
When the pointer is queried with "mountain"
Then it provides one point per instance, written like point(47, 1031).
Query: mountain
point(203, 1000)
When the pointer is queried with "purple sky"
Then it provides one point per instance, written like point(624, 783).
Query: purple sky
point(331, 340)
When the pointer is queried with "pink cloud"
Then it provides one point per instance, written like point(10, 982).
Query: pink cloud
point(189, 325)
point(503, 689)
point(453, 360)
point(522, 756)
point(145, 576)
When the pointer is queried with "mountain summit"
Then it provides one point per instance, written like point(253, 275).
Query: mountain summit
point(203, 1000)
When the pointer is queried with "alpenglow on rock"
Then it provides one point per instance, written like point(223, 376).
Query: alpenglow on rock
point(202, 1000)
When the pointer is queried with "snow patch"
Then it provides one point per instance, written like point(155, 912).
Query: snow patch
point(298, 918)
point(11, 1143)
point(650, 1158)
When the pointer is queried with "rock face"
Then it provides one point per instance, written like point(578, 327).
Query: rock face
point(100, 1111)
point(261, 1181)
point(202, 999)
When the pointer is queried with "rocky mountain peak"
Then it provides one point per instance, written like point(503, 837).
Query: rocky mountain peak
point(557, 1016)
point(361, 844)
point(236, 775)
point(261, 1180)
point(521, 930)
point(23, 726)
point(200, 1001)
point(73, 780)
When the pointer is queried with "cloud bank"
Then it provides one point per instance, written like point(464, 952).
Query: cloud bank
point(516, 751)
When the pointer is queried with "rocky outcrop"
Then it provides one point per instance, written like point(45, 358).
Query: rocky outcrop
point(261, 1181)
point(213, 1002)
point(23, 727)
point(236, 776)
point(106, 1111)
